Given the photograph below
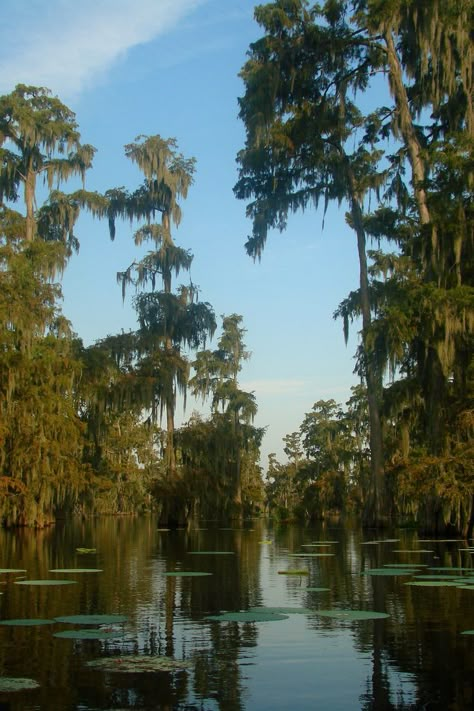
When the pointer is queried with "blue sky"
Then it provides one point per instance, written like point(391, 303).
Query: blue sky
point(170, 67)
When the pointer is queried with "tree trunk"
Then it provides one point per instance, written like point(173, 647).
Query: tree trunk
point(408, 133)
point(30, 182)
point(378, 512)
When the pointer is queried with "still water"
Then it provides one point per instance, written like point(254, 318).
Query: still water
point(416, 658)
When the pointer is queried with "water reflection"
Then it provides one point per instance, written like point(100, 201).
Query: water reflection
point(415, 659)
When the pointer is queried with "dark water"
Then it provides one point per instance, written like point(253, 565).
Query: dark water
point(414, 659)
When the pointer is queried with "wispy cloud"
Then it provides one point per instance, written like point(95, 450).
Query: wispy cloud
point(69, 46)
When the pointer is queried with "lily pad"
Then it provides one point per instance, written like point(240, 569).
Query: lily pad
point(75, 570)
point(12, 570)
point(388, 571)
point(461, 586)
point(89, 634)
point(26, 622)
point(432, 583)
point(45, 582)
point(352, 614)
point(139, 664)
point(418, 550)
point(406, 565)
point(293, 572)
point(247, 617)
point(468, 632)
point(447, 567)
point(283, 610)
point(437, 577)
point(185, 574)
point(311, 555)
point(311, 589)
point(86, 550)
point(92, 619)
point(265, 543)
point(8, 683)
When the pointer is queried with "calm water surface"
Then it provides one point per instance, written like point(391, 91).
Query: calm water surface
point(414, 659)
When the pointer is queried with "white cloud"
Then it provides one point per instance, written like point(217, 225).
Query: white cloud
point(67, 46)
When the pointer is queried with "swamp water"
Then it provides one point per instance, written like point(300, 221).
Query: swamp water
point(308, 651)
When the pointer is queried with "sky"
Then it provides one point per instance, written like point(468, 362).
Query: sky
point(170, 67)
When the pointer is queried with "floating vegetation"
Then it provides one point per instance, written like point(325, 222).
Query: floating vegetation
point(8, 683)
point(265, 543)
point(139, 664)
point(283, 610)
point(294, 572)
point(468, 632)
point(12, 570)
point(406, 565)
point(45, 582)
point(314, 589)
point(370, 543)
point(436, 577)
point(433, 583)
point(247, 617)
point(185, 574)
point(86, 550)
point(416, 550)
point(163, 529)
point(352, 614)
point(447, 567)
point(388, 571)
point(311, 555)
point(26, 622)
point(75, 570)
point(211, 552)
point(89, 634)
point(92, 619)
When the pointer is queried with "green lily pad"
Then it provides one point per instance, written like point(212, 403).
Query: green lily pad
point(370, 543)
point(185, 574)
point(75, 570)
point(139, 664)
point(8, 683)
point(418, 550)
point(86, 550)
point(447, 567)
point(211, 552)
point(468, 632)
point(436, 577)
point(311, 589)
point(26, 622)
point(282, 610)
point(293, 572)
point(12, 570)
point(89, 634)
point(406, 565)
point(247, 617)
point(45, 582)
point(388, 571)
point(311, 555)
point(432, 583)
point(92, 619)
point(352, 614)
point(265, 543)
